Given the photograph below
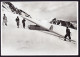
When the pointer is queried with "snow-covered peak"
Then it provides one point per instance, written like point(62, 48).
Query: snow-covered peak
point(7, 6)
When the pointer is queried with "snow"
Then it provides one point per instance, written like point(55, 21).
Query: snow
point(24, 42)
point(42, 23)
point(62, 29)
point(20, 41)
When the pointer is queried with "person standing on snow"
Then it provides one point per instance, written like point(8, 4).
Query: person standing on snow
point(17, 21)
point(67, 34)
point(23, 22)
point(5, 19)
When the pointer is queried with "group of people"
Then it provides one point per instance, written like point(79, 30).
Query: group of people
point(17, 21)
point(23, 22)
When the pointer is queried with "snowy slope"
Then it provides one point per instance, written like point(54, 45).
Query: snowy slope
point(24, 15)
point(62, 31)
point(25, 42)
point(31, 42)
point(19, 41)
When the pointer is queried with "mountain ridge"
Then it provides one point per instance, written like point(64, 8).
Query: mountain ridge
point(14, 9)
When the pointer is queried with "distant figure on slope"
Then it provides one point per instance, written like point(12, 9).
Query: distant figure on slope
point(23, 22)
point(51, 28)
point(5, 20)
point(67, 34)
point(17, 21)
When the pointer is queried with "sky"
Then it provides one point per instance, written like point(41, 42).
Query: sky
point(66, 10)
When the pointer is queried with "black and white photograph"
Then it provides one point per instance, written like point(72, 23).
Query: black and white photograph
point(39, 28)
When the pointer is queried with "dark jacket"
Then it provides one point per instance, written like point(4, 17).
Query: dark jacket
point(68, 31)
point(23, 21)
point(17, 19)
